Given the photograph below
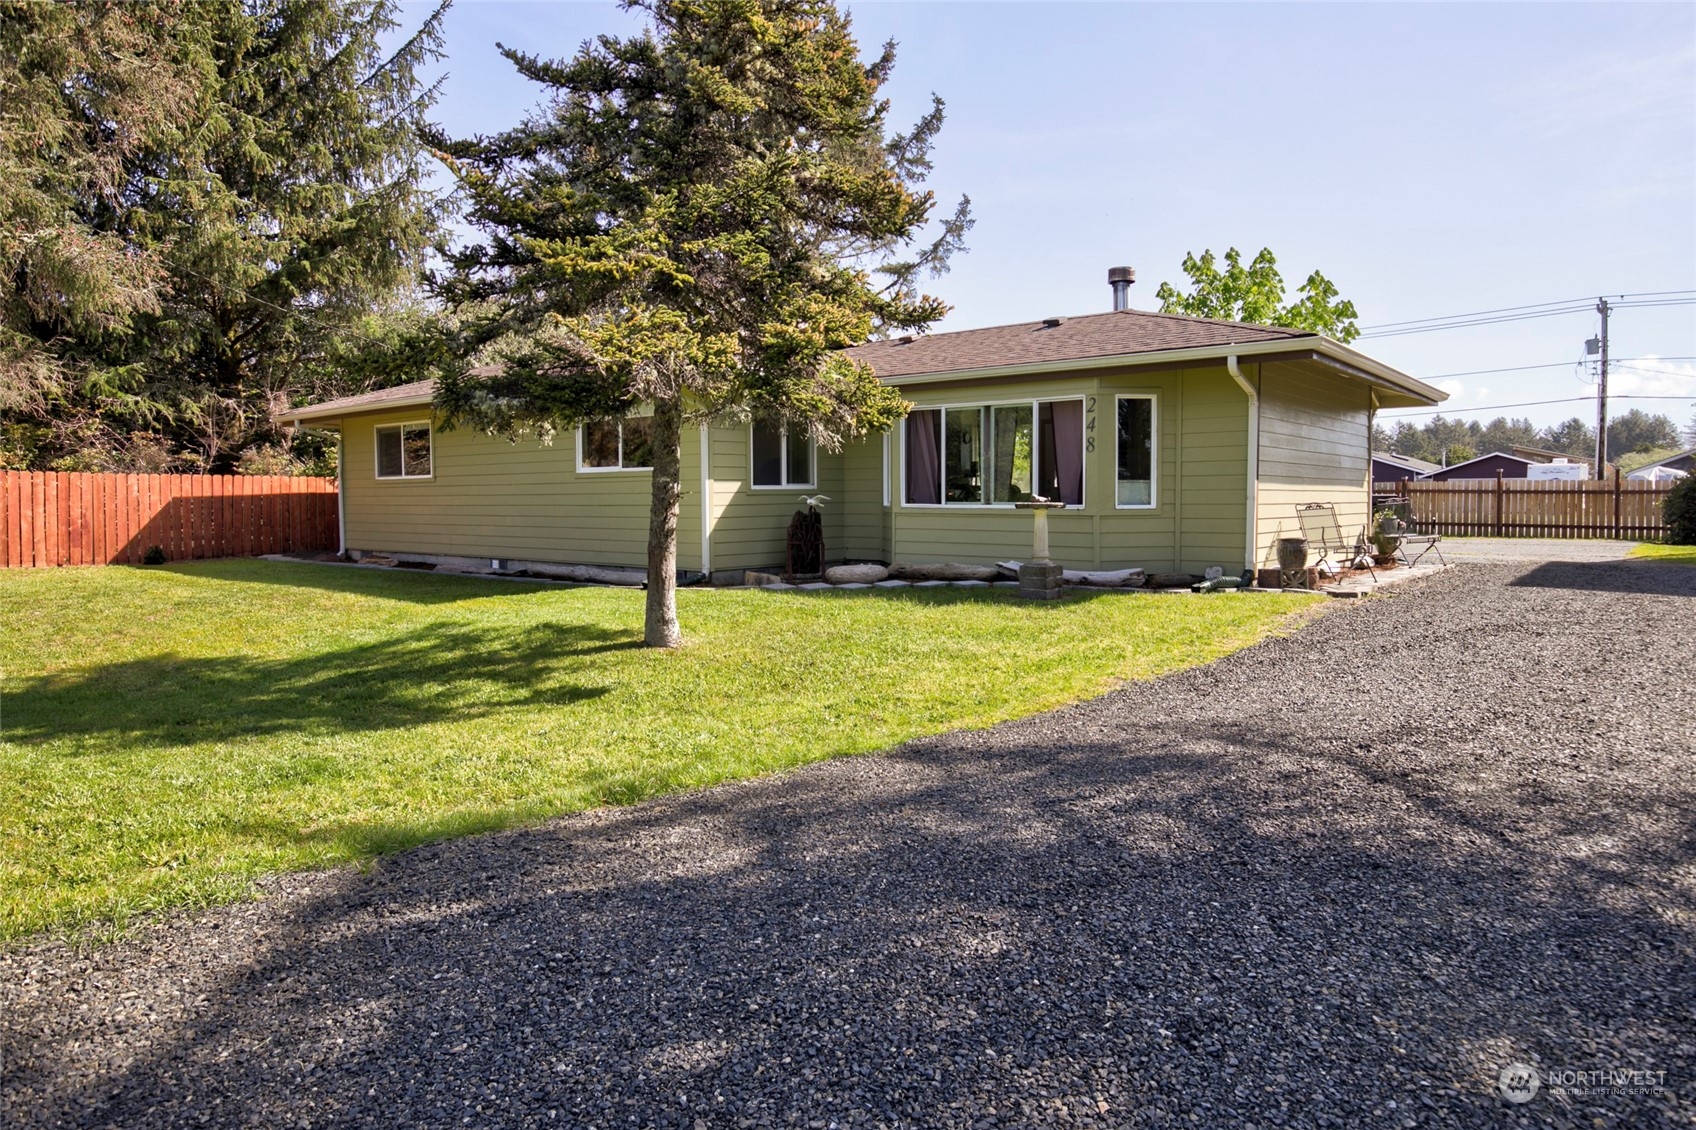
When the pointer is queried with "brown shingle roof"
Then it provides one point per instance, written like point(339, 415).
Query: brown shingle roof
point(1074, 339)
point(366, 401)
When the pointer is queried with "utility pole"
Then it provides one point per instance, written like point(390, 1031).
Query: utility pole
point(1601, 471)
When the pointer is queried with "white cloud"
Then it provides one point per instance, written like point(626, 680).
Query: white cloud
point(1652, 376)
point(1455, 389)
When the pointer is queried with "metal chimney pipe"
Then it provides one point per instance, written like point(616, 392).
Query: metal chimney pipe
point(1120, 279)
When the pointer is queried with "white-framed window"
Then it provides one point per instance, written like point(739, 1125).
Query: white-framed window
point(779, 458)
point(616, 445)
point(1137, 461)
point(994, 454)
point(404, 451)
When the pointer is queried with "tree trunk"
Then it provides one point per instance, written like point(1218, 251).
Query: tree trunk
point(661, 628)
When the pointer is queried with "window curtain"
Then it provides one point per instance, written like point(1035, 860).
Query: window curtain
point(1069, 450)
point(924, 468)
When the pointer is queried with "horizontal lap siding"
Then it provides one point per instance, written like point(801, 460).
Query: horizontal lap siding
point(750, 527)
point(1313, 448)
point(863, 519)
point(985, 536)
point(491, 498)
point(1213, 454)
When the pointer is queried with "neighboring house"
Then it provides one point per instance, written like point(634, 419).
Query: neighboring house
point(1545, 455)
point(1666, 470)
point(1388, 467)
point(1510, 466)
point(1176, 443)
point(1483, 467)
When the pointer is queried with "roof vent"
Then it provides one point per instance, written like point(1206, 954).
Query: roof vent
point(1120, 279)
point(1052, 322)
point(904, 339)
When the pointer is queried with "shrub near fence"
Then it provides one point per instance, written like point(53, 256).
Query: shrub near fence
point(1503, 507)
point(65, 518)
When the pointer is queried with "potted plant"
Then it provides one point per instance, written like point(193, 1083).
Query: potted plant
point(1386, 537)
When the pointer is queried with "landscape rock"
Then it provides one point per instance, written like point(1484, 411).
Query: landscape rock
point(953, 571)
point(856, 574)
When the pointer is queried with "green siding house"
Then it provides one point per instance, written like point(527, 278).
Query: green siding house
point(1176, 443)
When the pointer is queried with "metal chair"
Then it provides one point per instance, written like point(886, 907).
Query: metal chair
point(1428, 541)
point(1320, 527)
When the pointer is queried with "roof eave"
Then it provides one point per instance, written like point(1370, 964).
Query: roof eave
point(334, 411)
point(1404, 388)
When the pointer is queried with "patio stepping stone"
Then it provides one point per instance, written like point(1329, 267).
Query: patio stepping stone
point(815, 586)
point(970, 584)
point(780, 585)
point(892, 584)
point(930, 584)
point(853, 585)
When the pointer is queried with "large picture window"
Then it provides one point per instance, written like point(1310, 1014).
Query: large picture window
point(1135, 476)
point(995, 454)
point(403, 451)
point(779, 458)
point(617, 445)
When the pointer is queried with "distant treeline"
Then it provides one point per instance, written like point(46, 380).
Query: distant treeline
point(1450, 440)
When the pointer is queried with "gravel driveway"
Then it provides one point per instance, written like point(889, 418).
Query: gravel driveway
point(1339, 879)
point(1504, 551)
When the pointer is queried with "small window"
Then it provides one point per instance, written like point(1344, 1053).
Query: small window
point(1135, 476)
point(618, 445)
point(779, 459)
point(403, 451)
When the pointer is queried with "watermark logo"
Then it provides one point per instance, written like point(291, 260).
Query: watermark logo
point(1518, 1082)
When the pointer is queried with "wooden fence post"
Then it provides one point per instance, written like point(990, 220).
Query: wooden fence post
point(1499, 488)
point(1616, 503)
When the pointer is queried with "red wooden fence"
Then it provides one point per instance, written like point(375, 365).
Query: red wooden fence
point(72, 518)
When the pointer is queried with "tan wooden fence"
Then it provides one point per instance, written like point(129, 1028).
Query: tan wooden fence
point(61, 518)
point(1503, 507)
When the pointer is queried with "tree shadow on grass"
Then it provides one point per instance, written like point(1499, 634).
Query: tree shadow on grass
point(411, 586)
point(435, 672)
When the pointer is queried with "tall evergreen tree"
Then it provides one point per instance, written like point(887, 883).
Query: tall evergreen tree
point(85, 89)
point(696, 223)
point(277, 207)
point(1637, 430)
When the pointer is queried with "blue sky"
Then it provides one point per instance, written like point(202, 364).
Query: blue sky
point(1430, 159)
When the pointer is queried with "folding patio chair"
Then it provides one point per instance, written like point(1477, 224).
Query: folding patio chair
point(1320, 527)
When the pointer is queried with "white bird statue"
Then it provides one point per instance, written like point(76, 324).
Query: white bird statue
point(812, 501)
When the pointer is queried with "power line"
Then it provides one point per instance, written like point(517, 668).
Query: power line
point(1641, 299)
point(1524, 404)
point(1548, 365)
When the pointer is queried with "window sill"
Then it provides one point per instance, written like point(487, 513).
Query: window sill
point(1069, 509)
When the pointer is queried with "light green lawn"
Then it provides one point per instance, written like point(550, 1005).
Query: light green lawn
point(1675, 554)
point(169, 734)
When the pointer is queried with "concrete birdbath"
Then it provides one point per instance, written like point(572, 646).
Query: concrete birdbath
point(1039, 578)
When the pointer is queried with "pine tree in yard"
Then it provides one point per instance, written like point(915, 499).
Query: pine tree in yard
point(85, 89)
point(260, 194)
point(696, 224)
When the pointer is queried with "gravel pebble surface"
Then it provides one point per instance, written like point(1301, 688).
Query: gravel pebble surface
point(1338, 879)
